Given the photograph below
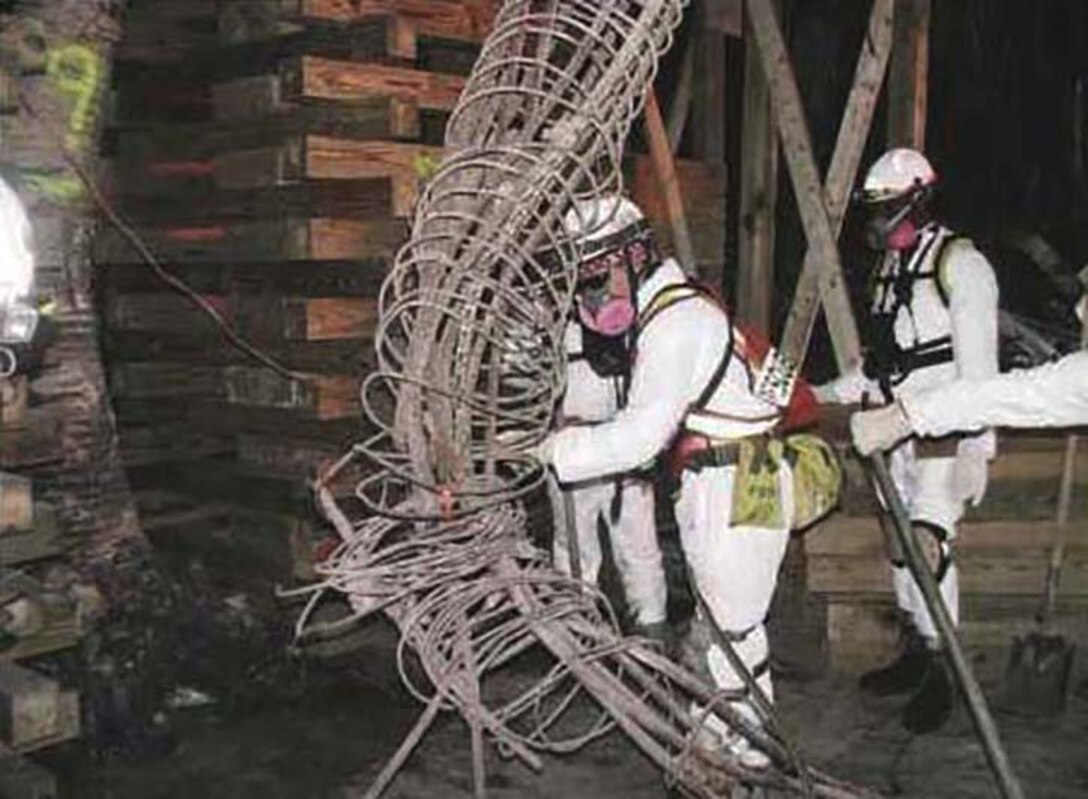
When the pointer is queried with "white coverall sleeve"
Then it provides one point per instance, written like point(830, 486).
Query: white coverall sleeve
point(1051, 395)
point(669, 356)
point(972, 306)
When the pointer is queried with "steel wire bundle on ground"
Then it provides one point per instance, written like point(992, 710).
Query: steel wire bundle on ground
point(470, 365)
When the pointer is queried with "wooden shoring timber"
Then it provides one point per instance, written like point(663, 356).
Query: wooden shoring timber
point(214, 416)
point(312, 396)
point(145, 445)
point(908, 75)
point(321, 157)
point(758, 198)
point(162, 379)
point(374, 39)
point(307, 319)
point(860, 536)
point(311, 79)
point(705, 217)
point(35, 442)
point(45, 540)
point(161, 311)
point(16, 503)
point(997, 575)
point(355, 278)
point(680, 107)
point(224, 483)
point(34, 710)
point(708, 114)
point(14, 400)
point(184, 193)
point(820, 277)
point(257, 316)
point(276, 240)
point(465, 20)
point(668, 182)
point(808, 187)
point(316, 396)
point(346, 356)
point(373, 118)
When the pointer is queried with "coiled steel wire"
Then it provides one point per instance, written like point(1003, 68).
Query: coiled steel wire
point(470, 365)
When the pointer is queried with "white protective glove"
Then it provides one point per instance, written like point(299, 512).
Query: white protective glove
point(971, 471)
point(879, 429)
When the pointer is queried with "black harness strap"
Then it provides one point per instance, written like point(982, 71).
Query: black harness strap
point(887, 362)
point(681, 292)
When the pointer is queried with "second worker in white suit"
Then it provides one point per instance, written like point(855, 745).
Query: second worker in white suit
point(1051, 395)
point(933, 320)
point(598, 371)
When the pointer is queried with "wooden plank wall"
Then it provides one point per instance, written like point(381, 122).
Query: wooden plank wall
point(1002, 550)
point(270, 154)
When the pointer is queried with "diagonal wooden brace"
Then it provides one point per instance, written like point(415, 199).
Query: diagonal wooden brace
point(849, 146)
point(822, 206)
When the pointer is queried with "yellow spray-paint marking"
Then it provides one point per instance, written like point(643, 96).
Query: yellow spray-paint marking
point(426, 165)
point(61, 187)
point(77, 71)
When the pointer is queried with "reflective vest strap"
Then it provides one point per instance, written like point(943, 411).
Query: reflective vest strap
point(668, 297)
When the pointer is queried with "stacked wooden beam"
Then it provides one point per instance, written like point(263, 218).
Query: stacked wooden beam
point(269, 154)
point(1002, 550)
point(274, 171)
point(35, 711)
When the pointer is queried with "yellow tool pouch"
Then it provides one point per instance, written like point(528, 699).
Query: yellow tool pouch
point(817, 478)
point(757, 495)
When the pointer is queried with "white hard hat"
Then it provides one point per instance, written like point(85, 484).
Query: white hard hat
point(595, 221)
point(16, 256)
point(896, 173)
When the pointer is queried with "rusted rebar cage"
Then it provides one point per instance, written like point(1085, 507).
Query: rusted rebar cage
point(470, 364)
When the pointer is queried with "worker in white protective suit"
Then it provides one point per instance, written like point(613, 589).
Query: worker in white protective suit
point(16, 255)
point(598, 371)
point(933, 320)
point(690, 380)
point(1052, 395)
point(18, 317)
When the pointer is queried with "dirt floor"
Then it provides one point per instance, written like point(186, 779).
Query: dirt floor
point(331, 740)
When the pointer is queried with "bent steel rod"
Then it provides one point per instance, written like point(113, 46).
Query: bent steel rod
point(965, 678)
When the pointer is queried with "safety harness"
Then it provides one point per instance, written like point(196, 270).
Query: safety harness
point(886, 361)
point(696, 453)
point(672, 295)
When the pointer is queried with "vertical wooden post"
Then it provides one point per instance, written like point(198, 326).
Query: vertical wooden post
point(807, 185)
point(710, 98)
point(853, 133)
point(668, 183)
point(758, 194)
point(717, 19)
point(680, 107)
point(908, 76)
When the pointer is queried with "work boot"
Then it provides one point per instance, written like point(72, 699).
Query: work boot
point(931, 706)
point(902, 675)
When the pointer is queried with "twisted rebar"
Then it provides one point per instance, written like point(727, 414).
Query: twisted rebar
point(470, 365)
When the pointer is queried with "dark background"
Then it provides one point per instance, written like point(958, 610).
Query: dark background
point(1008, 89)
